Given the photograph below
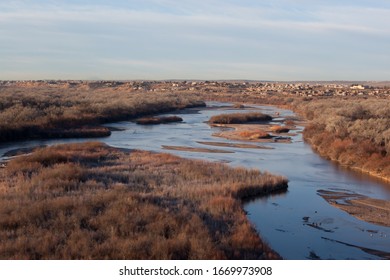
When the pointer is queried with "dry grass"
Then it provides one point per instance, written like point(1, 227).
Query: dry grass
point(45, 112)
point(239, 118)
point(354, 131)
point(350, 130)
point(158, 120)
point(250, 132)
point(91, 201)
point(254, 134)
point(279, 129)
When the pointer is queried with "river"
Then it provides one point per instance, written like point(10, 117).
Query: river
point(285, 221)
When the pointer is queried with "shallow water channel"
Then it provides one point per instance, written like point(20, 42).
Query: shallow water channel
point(298, 224)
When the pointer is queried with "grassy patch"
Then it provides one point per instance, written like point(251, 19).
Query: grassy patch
point(279, 129)
point(239, 118)
point(254, 134)
point(158, 120)
point(91, 201)
point(44, 112)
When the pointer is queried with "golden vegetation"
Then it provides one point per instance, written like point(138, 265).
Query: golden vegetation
point(355, 133)
point(239, 118)
point(279, 129)
point(44, 112)
point(254, 134)
point(91, 201)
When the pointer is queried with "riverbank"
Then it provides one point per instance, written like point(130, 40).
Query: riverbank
point(45, 112)
point(354, 132)
point(39, 110)
point(194, 125)
point(371, 210)
point(351, 131)
point(92, 201)
point(368, 165)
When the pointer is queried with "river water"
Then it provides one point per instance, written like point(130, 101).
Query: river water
point(285, 221)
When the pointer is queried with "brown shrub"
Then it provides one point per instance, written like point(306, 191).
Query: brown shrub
point(355, 135)
point(220, 205)
point(339, 146)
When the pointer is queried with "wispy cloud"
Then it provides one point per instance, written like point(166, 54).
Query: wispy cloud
point(346, 18)
point(107, 34)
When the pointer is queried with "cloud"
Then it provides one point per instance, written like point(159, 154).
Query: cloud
point(213, 14)
point(156, 37)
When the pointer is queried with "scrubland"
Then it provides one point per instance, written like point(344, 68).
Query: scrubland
point(354, 132)
point(91, 201)
point(44, 112)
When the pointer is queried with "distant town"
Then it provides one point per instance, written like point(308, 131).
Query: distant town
point(305, 89)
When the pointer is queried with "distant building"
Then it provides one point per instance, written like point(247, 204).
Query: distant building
point(357, 87)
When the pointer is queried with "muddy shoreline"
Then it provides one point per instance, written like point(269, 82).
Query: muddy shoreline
point(376, 211)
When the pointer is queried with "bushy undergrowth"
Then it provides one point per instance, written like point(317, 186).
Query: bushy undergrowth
point(353, 132)
point(239, 118)
point(90, 201)
point(45, 112)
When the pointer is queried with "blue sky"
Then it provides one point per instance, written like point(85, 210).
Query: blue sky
point(188, 39)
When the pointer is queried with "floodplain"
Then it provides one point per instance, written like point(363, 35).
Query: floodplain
point(353, 135)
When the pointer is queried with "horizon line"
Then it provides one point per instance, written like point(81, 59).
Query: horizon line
point(182, 80)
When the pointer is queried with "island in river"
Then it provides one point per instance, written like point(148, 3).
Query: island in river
point(275, 158)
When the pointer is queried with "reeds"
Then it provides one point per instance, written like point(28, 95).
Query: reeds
point(239, 118)
point(44, 112)
point(91, 201)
